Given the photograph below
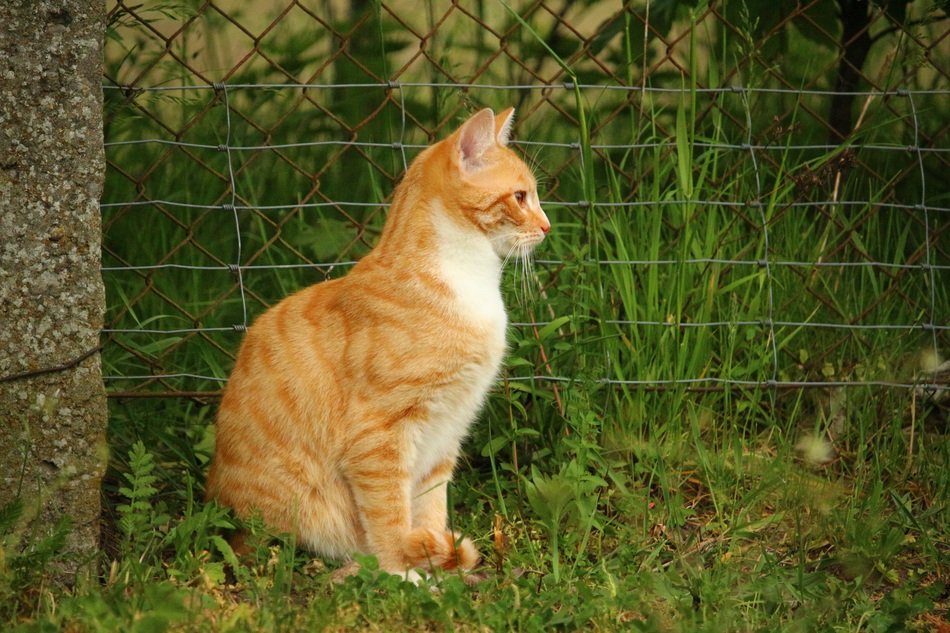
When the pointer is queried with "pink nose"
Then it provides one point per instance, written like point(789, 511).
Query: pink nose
point(545, 225)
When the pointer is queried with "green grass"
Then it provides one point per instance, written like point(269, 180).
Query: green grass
point(617, 498)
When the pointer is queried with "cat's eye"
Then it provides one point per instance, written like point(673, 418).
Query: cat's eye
point(521, 196)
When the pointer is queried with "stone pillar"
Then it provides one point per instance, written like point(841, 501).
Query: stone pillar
point(52, 399)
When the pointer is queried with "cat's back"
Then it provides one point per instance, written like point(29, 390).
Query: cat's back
point(265, 390)
point(280, 335)
point(385, 326)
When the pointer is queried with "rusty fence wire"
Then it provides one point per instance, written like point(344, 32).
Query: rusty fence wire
point(784, 171)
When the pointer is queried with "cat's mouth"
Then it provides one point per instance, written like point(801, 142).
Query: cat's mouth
point(535, 229)
point(535, 237)
point(518, 244)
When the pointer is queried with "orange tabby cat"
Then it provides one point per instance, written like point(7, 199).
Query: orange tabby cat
point(342, 420)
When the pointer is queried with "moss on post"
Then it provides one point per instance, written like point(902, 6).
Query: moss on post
point(52, 399)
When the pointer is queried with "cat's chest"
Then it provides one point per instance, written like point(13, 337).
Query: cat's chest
point(451, 410)
point(472, 272)
point(469, 267)
point(476, 294)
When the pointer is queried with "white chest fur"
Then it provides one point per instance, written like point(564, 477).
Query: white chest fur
point(469, 266)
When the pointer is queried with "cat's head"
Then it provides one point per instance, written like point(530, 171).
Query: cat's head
point(490, 186)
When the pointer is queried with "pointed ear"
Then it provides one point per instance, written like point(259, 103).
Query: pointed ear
point(503, 123)
point(475, 137)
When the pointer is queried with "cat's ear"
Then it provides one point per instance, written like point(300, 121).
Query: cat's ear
point(475, 137)
point(503, 123)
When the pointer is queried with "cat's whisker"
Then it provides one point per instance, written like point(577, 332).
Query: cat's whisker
point(525, 271)
point(528, 264)
point(507, 258)
point(513, 254)
point(515, 250)
point(523, 268)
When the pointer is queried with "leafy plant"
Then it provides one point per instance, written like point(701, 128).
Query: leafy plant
point(139, 516)
point(26, 558)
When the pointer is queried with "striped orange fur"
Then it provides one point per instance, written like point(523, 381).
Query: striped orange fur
point(343, 418)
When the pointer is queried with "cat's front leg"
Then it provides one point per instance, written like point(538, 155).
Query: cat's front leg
point(379, 476)
point(430, 497)
point(431, 531)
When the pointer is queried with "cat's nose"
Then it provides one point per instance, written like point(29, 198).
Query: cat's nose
point(545, 224)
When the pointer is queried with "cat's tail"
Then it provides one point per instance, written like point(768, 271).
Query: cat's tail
point(435, 549)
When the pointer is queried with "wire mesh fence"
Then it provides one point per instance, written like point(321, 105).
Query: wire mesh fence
point(738, 201)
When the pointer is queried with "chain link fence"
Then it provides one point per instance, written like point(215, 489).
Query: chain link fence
point(784, 178)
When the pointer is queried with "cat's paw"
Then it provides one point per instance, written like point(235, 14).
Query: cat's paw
point(413, 576)
point(434, 549)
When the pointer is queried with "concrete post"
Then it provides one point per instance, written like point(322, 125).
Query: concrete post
point(52, 399)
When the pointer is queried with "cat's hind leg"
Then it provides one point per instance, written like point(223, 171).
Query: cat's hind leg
point(377, 471)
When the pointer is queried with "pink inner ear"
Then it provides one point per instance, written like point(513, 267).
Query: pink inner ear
point(476, 137)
